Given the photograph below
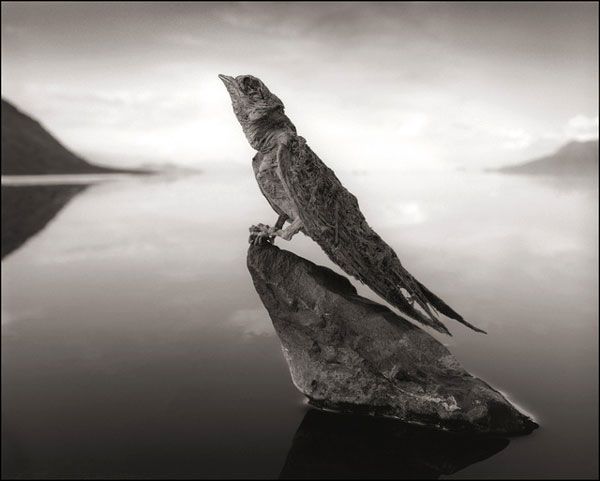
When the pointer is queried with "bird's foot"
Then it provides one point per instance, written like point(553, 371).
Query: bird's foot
point(285, 234)
point(261, 233)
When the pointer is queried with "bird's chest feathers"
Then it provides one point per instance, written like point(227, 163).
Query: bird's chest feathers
point(266, 172)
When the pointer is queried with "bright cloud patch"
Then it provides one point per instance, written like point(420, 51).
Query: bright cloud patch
point(582, 128)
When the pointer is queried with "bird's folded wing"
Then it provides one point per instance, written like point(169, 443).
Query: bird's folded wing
point(255, 163)
point(314, 188)
point(331, 217)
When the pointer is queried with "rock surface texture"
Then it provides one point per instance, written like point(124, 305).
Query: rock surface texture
point(347, 353)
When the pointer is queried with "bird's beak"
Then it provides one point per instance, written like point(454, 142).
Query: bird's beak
point(230, 84)
point(226, 79)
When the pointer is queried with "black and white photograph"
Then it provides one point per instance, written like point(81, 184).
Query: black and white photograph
point(300, 240)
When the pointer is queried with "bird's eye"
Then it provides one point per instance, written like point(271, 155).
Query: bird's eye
point(248, 83)
point(251, 85)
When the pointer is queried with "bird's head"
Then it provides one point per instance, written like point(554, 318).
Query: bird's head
point(253, 103)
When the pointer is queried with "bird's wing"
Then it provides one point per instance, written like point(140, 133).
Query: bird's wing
point(255, 163)
point(331, 216)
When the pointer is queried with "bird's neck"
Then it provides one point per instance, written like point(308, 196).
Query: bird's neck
point(262, 133)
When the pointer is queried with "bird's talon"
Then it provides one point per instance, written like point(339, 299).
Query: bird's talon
point(259, 233)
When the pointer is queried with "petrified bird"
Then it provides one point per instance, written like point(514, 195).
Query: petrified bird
point(308, 195)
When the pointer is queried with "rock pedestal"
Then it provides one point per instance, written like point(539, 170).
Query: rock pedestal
point(347, 353)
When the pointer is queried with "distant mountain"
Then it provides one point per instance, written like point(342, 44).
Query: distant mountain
point(572, 159)
point(29, 149)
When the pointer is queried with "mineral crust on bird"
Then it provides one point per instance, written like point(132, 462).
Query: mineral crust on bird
point(347, 353)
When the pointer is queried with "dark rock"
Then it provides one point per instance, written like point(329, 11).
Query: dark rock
point(341, 446)
point(347, 353)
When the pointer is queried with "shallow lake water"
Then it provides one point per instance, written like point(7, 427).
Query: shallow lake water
point(134, 344)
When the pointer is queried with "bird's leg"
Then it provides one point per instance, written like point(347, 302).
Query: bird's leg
point(291, 230)
point(261, 232)
point(280, 221)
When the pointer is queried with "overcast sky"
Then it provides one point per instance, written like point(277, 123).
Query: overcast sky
point(405, 86)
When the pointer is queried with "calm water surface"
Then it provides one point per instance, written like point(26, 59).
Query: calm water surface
point(134, 344)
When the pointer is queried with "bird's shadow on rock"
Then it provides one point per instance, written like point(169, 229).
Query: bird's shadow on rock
point(345, 446)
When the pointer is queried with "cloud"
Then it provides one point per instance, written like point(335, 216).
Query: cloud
point(10, 316)
point(405, 213)
point(516, 139)
point(15, 30)
point(390, 86)
point(119, 108)
point(582, 128)
point(411, 125)
point(186, 40)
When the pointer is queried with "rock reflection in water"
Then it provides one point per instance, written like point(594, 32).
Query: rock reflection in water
point(27, 209)
point(332, 445)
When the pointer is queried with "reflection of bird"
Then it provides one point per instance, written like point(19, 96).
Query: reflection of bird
point(308, 195)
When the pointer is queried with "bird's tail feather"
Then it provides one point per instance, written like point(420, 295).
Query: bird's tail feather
point(398, 300)
point(445, 309)
point(429, 320)
point(428, 302)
